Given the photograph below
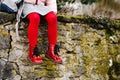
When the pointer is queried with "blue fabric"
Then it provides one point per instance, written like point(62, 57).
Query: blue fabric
point(5, 8)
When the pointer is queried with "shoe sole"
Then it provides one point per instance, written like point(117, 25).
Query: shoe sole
point(34, 62)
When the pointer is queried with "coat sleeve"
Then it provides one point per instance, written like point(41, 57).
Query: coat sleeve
point(52, 4)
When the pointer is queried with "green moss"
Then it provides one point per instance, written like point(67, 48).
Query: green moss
point(51, 67)
point(52, 74)
point(116, 24)
point(40, 72)
point(114, 49)
point(88, 1)
point(6, 17)
point(95, 51)
point(68, 26)
point(71, 18)
point(3, 32)
point(94, 22)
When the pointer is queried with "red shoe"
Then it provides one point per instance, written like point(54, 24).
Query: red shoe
point(52, 54)
point(34, 56)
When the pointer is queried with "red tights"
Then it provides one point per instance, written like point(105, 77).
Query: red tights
point(34, 21)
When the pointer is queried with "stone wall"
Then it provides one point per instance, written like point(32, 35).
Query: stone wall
point(101, 8)
point(88, 51)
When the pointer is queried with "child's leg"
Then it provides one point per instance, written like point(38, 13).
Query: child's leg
point(51, 19)
point(34, 21)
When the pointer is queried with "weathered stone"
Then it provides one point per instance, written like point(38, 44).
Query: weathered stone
point(86, 54)
point(6, 71)
point(5, 17)
point(4, 39)
point(118, 58)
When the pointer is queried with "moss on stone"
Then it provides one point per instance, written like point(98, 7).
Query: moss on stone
point(39, 73)
point(96, 56)
point(114, 49)
point(80, 33)
point(5, 17)
point(3, 31)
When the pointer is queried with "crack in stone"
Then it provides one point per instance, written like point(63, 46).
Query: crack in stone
point(10, 46)
point(7, 70)
point(17, 70)
point(7, 26)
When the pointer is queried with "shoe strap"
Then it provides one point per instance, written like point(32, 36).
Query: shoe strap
point(35, 52)
point(56, 50)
